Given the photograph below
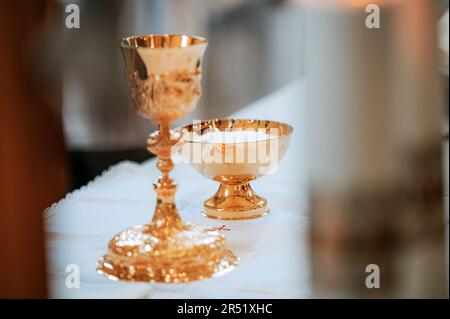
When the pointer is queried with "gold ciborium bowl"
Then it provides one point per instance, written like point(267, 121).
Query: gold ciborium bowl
point(234, 152)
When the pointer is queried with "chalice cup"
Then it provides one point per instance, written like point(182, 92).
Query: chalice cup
point(164, 77)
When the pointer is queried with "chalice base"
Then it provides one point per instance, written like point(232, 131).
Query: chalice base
point(234, 202)
point(193, 253)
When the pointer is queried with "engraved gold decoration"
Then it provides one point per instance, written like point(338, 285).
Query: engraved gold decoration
point(235, 199)
point(164, 77)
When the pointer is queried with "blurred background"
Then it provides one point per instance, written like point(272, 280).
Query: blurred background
point(64, 110)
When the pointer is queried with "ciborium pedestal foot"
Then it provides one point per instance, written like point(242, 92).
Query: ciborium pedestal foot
point(235, 201)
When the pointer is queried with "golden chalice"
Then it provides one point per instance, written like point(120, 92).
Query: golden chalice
point(234, 152)
point(164, 75)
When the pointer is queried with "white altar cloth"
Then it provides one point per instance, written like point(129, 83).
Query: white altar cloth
point(272, 249)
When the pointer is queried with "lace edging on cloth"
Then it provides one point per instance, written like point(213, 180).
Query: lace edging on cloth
point(72, 196)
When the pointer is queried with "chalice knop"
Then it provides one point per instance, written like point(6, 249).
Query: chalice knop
point(164, 77)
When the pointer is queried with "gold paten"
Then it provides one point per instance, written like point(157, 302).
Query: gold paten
point(164, 76)
point(235, 199)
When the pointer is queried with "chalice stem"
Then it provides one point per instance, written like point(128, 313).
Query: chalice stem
point(166, 219)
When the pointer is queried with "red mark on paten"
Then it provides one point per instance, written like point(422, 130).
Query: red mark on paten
point(223, 228)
